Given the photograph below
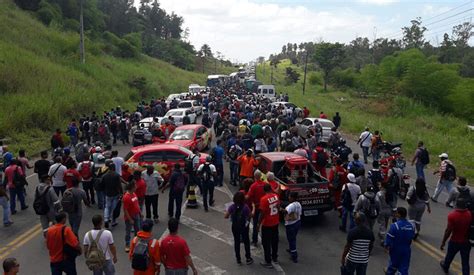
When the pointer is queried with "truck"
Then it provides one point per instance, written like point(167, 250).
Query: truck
point(295, 173)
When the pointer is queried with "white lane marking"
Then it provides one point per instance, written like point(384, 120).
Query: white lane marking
point(206, 267)
point(218, 208)
point(34, 174)
point(224, 189)
point(167, 232)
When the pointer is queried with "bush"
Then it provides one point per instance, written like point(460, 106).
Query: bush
point(48, 13)
point(344, 78)
point(71, 25)
point(315, 78)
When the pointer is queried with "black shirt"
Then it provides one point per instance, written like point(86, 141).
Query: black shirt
point(112, 184)
point(361, 238)
point(42, 167)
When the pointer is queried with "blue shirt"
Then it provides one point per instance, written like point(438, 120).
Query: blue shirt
point(219, 154)
point(400, 236)
point(355, 163)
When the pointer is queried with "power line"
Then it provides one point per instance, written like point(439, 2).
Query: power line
point(448, 11)
point(449, 17)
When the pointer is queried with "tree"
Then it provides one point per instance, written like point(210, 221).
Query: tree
point(461, 34)
point(328, 56)
point(260, 59)
point(413, 36)
point(292, 76)
point(206, 50)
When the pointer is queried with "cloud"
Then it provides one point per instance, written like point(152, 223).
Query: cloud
point(378, 2)
point(244, 30)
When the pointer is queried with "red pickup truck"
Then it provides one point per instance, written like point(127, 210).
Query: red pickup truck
point(294, 173)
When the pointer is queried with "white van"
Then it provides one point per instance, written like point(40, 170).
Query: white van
point(194, 89)
point(267, 91)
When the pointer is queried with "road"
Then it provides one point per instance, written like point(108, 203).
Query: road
point(209, 236)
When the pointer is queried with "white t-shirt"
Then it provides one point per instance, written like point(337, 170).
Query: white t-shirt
point(354, 189)
point(106, 239)
point(366, 139)
point(211, 167)
point(118, 162)
point(294, 207)
point(58, 177)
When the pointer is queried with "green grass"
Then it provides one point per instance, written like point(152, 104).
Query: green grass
point(399, 119)
point(43, 85)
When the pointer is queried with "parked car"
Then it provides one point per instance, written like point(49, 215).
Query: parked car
point(178, 115)
point(162, 156)
point(294, 173)
point(170, 98)
point(192, 105)
point(148, 121)
point(325, 123)
point(191, 136)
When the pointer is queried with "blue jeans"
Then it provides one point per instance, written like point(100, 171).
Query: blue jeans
point(375, 154)
point(108, 269)
point(110, 204)
point(59, 190)
point(359, 269)
point(234, 169)
point(365, 153)
point(420, 170)
point(175, 198)
point(6, 210)
point(453, 249)
point(137, 222)
point(291, 232)
point(21, 197)
point(101, 199)
point(347, 211)
point(441, 185)
point(207, 189)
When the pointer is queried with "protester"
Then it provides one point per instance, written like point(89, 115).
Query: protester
point(140, 188)
point(11, 266)
point(153, 182)
point(337, 178)
point(175, 254)
point(375, 146)
point(15, 182)
point(41, 166)
point(360, 241)
point(385, 214)
point(207, 172)
point(254, 195)
point(72, 204)
point(218, 158)
point(447, 175)
point(177, 185)
point(46, 203)
point(367, 204)
point(418, 200)
point(269, 220)
point(145, 251)
point(24, 162)
point(247, 165)
point(337, 120)
point(292, 224)
point(6, 207)
point(421, 159)
point(86, 169)
point(118, 162)
point(457, 230)
point(99, 248)
point(462, 190)
point(112, 189)
point(240, 215)
point(56, 172)
point(365, 141)
point(350, 193)
point(132, 213)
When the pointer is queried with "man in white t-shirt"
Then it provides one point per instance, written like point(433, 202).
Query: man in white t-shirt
point(365, 141)
point(105, 243)
point(292, 224)
point(118, 161)
point(56, 172)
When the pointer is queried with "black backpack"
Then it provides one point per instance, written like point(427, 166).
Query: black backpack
point(450, 172)
point(68, 202)
point(188, 164)
point(206, 173)
point(321, 159)
point(141, 255)
point(238, 221)
point(40, 204)
point(346, 197)
point(424, 156)
point(371, 211)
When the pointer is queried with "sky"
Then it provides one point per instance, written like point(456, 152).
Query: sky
point(243, 30)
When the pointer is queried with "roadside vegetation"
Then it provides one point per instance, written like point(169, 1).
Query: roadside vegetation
point(398, 117)
point(43, 85)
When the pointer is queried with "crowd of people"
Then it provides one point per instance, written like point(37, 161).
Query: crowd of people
point(245, 125)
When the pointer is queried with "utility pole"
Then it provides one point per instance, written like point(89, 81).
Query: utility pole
point(81, 19)
point(271, 75)
point(305, 70)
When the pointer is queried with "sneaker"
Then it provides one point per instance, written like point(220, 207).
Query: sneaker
point(416, 236)
point(127, 249)
point(206, 210)
point(14, 212)
point(266, 265)
point(239, 262)
point(295, 260)
point(255, 244)
point(288, 250)
point(441, 264)
point(114, 224)
point(211, 203)
point(275, 261)
point(7, 224)
point(249, 261)
point(433, 199)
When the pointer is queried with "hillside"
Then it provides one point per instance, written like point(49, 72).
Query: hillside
point(399, 118)
point(43, 85)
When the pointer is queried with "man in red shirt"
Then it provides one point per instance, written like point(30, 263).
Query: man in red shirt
point(56, 237)
point(336, 182)
point(175, 254)
point(459, 223)
point(131, 213)
point(254, 195)
point(269, 221)
point(140, 188)
point(71, 175)
point(15, 190)
point(305, 112)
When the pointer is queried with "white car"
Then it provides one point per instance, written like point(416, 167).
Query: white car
point(148, 121)
point(171, 97)
point(192, 105)
point(325, 123)
point(178, 115)
point(289, 105)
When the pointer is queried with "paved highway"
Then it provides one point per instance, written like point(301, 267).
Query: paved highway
point(209, 236)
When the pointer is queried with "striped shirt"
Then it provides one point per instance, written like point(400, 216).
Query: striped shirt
point(361, 238)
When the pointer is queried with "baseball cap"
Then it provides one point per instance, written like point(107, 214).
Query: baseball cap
point(444, 155)
point(351, 177)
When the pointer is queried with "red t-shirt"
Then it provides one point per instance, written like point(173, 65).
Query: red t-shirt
point(174, 250)
point(274, 185)
point(69, 176)
point(130, 204)
point(141, 188)
point(269, 206)
point(459, 221)
point(256, 192)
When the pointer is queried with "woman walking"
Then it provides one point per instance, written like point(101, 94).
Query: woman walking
point(418, 200)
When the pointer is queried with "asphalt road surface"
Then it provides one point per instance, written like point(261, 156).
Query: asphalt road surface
point(209, 237)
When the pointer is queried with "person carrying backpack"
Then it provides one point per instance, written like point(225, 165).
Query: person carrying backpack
point(385, 215)
point(145, 251)
point(132, 213)
point(46, 203)
point(177, 185)
point(393, 183)
point(86, 169)
point(375, 176)
point(232, 154)
point(367, 204)
point(71, 203)
point(461, 191)
point(207, 172)
point(240, 214)
point(337, 178)
point(15, 182)
point(99, 248)
point(420, 159)
point(418, 200)
point(350, 193)
point(447, 175)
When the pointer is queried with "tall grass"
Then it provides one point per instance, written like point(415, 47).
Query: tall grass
point(43, 85)
point(399, 119)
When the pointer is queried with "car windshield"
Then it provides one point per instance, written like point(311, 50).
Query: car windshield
point(185, 105)
point(181, 134)
point(128, 156)
point(174, 113)
point(327, 124)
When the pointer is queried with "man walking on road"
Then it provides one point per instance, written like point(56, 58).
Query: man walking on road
point(459, 223)
point(421, 159)
point(175, 254)
point(365, 140)
point(57, 237)
point(348, 201)
point(218, 159)
point(11, 266)
point(143, 245)
point(292, 224)
point(104, 241)
point(86, 168)
point(15, 179)
point(398, 244)
point(113, 190)
point(462, 190)
point(153, 181)
point(254, 195)
point(56, 172)
point(177, 184)
point(207, 172)
point(360, 242)
point(78, 196)
point(132, 213)
point(46, 203)
point(269, 220)
point(447, 175)
point(41, 167)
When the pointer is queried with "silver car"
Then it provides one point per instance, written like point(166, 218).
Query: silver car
point(325, 123)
